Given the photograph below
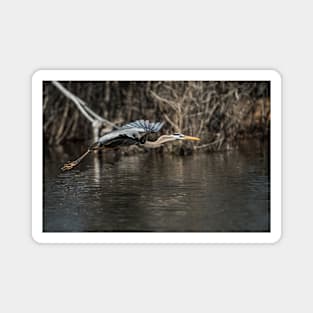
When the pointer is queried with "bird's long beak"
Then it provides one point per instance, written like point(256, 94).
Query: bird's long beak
point(191, 138)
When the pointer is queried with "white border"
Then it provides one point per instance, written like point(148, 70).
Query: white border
point(99, 75)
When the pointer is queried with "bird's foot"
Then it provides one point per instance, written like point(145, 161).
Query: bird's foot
point(68, 166)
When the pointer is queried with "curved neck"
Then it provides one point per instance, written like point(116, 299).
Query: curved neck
point(158, 143)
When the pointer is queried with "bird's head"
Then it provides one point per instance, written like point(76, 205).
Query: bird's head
point(178, 136)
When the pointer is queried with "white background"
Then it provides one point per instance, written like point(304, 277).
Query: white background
point(210, 237)
point(140, 34)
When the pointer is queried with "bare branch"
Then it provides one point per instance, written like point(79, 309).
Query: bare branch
point(169, 102)
point(72, 97)
point(218, 141)
point(176, 128)
point(82, 106)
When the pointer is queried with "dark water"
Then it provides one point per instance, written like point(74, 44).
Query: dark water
point(227, 191)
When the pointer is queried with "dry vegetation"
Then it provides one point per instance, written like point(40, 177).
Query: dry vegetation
point(219, 112)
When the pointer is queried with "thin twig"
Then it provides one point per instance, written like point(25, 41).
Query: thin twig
point(220, 140)
point(161, 99)
point(176, 128)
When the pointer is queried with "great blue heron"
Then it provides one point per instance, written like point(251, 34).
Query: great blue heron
point(134, 133)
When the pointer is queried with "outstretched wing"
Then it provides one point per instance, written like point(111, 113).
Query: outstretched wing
point(129, 134)
point(118, 141)
point(145, 126)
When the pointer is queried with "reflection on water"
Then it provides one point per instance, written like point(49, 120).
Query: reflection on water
point(227, 191)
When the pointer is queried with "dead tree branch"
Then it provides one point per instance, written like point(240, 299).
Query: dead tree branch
point(96, 120)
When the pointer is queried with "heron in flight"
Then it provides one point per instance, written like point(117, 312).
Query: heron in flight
point(134, 133)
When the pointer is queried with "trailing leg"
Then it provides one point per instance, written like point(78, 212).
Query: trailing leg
point(69, 165)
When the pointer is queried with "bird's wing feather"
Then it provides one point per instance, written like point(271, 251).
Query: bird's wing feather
point(120, 140)
point(145, 126)
point(129, 134)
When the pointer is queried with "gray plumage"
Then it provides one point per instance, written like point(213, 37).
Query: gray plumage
point(129, 134)
point(144, 126)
